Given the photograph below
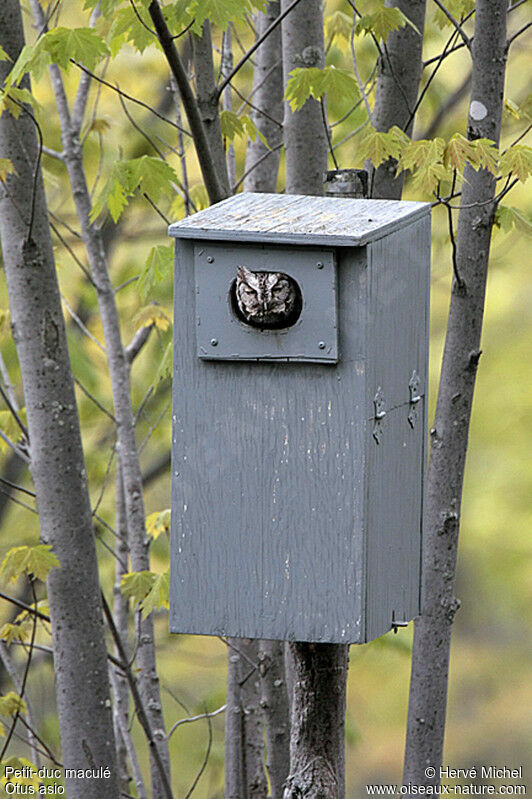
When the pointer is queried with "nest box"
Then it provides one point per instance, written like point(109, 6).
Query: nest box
point(298, 453)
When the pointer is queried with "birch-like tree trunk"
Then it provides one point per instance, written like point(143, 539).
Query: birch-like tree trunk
point(400, 67)
point(57, 462)
point(305, 137)
point(262, 164)
point(274, 703)
point(226, 65)
point(449, 434)
point(126, 439)
point(318, 671)
point(208, 103)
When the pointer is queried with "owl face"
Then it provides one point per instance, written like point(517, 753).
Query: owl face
point(266, 299)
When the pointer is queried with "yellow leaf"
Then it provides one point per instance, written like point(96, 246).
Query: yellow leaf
point(13, 632)
point(6, 168)
point(11, 703)
point(518, 161)
point(153, 315)
point(37, 560)
point(158, 522)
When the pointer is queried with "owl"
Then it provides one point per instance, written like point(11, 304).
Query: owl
point(268, 300)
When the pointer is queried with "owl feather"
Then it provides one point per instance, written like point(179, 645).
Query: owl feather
point(266, 299)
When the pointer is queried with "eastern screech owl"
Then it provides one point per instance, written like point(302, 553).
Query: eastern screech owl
point(266, 299)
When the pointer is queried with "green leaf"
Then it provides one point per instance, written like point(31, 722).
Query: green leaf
point(518, 161)
point(338, 27)
point(425, 159)
point(158, 522)
point(233, 125)
point(421, 153)
point(136, 585)
point(12, 99)
point(33, 59)
point(487, 155)
point(37, 560)
point(127, 27)
point(153, 175)
point(377, 146)
point(165, 367)
point(507, 217)
point(79, 44)
point(159, 265)
point(457, 8)
point(221, 12)
point(106, 7)
point(11, 703)
point(458, 151)
point(480, 153)
point(4, 56)
point(382, 22)
point(158, 596)
point(315, 82)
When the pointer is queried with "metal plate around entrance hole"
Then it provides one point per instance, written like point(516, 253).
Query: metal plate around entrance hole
point(221, 335)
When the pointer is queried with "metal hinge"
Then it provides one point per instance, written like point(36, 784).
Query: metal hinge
point(396, 623)
point(413, 385)
point(380, 413)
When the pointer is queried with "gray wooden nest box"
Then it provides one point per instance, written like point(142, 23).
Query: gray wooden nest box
point(298, 453)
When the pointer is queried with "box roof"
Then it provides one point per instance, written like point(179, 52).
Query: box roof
point(298, 219)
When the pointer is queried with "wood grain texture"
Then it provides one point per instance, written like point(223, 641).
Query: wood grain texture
point(267, 483)
point(297, 219)
point(395, 470)
point(289, 521)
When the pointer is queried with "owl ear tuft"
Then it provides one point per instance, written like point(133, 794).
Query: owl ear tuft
point(243, 273)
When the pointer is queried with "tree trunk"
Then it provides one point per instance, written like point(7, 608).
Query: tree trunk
point(274, 703)
point(245, 777)
point(400, 67)
point(57, 463)
point(318, 671)
point(262, 164)
point(305, 137)
point(317, 761)
point(226, 65)
point(208, 103)
point(449, 435)
point(126, 438)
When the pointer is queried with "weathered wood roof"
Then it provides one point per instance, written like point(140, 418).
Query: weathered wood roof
point(296, 219)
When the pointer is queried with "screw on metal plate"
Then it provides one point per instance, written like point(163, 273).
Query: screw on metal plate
point(396, 624)
point(214, 342)
point(210, 259)
point(413, 385)
point(319, 265)
point(380, 413)
point(321, 345)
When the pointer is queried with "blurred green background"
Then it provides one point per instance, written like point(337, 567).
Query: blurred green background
point(490, 693)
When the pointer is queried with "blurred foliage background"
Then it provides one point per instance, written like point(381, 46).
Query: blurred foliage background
point(490, 695)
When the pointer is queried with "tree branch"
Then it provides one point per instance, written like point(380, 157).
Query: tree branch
point(212, 182)
point(255, 47)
